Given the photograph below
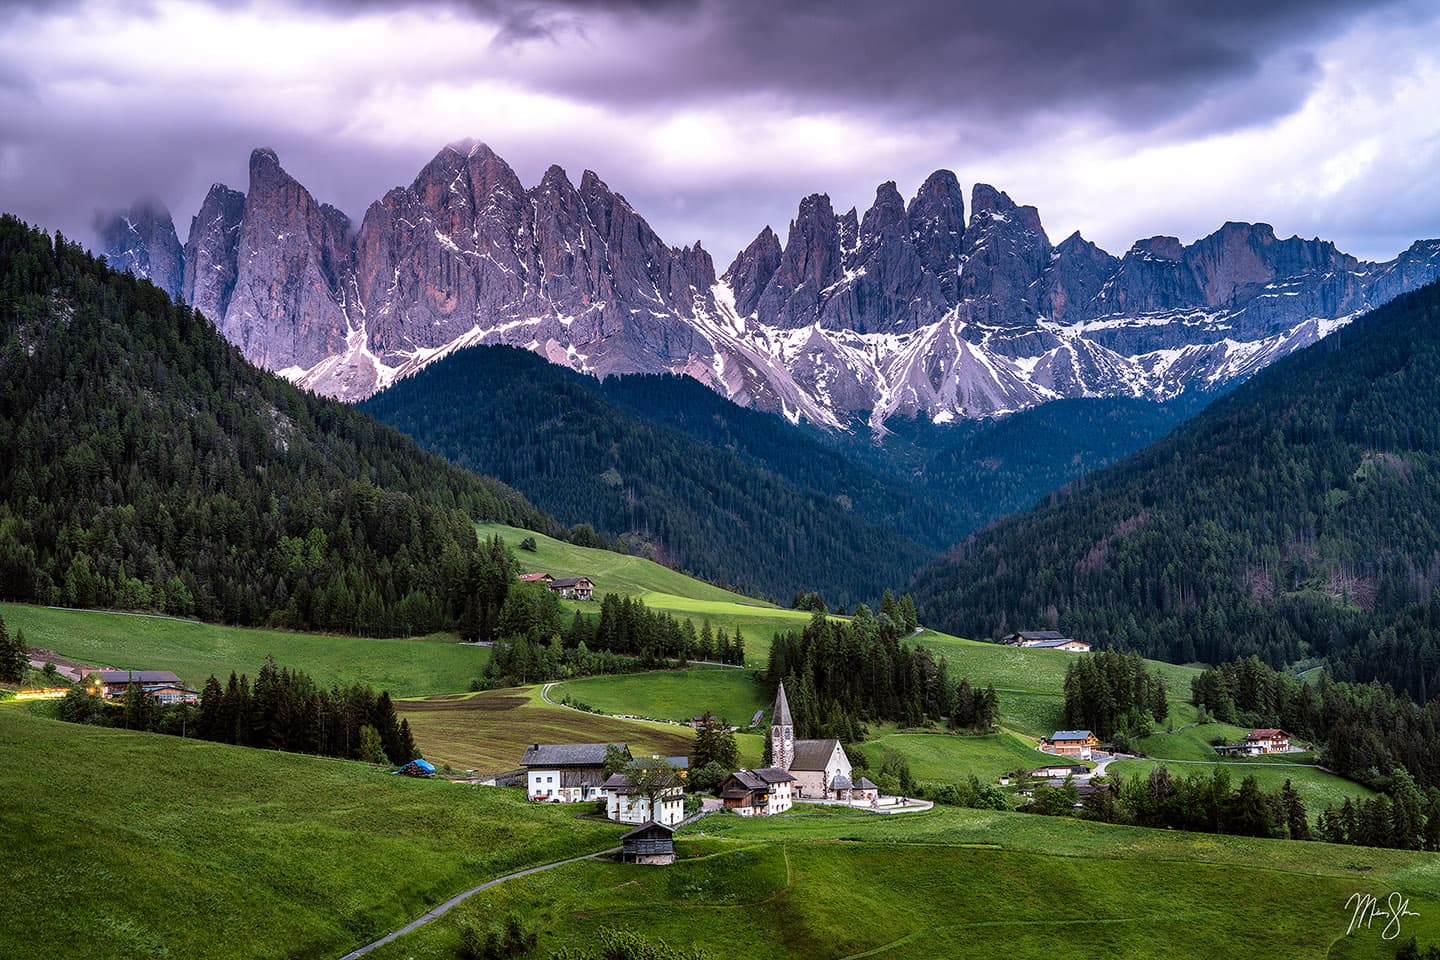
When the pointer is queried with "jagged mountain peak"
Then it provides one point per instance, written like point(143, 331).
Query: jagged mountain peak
point(909, 310)
point(1166, 248)
point(141, 239)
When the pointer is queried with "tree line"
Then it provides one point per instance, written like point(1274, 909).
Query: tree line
point(283, 709)
point(1113, 694)
point(840, 674)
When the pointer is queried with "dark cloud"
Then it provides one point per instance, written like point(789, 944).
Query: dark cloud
point(962, 81)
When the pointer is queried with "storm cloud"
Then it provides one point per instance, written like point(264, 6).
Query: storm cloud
point(1122, 119)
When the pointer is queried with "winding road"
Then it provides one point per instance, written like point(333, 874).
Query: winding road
point(444, 908)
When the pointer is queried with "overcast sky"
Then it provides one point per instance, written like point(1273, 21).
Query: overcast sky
point(714, 117)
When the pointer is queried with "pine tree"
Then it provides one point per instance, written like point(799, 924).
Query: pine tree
point(14, 657)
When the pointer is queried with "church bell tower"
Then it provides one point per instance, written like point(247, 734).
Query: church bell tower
point(782, 732)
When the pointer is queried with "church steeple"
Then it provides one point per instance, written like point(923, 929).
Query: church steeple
point(782, 732)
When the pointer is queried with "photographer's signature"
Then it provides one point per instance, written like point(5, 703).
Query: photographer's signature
point(1365, 909)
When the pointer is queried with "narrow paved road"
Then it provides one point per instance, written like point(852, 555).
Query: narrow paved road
point(444, 908)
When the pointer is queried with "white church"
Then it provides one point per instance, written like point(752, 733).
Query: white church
point(820, 767)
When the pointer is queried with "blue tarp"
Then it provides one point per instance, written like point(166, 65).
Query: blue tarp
point(425, 765)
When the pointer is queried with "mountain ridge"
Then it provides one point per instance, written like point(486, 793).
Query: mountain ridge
point(907, 310)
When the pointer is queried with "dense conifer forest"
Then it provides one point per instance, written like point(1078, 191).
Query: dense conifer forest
point(144, 464)
point(1297, 517)
point(773, 520)
point(840, 674)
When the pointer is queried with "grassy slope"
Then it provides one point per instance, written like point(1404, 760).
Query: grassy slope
point(960, 883)
point(140, 845)
point(195, 650)
point(731, 695)
point(488, 732)
point(945, 758)
point(1317, 788)
point(1191, 743)
point(660, 587)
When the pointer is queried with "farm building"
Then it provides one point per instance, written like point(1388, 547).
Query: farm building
point(814, 764)
point(572, 588)
point(1073, 743)
point(1060, 770)
point(626, 804)
point(163, 685)
point(1269, 740)
point(841, 788)
point(565, 772)
point(651, 843)
point(1047, 640)
point(535, 578)
point(758, 793)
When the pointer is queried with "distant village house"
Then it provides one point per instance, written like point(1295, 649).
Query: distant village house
point(572, 588)
point(1047, 640)
point(565, 772)
point(162, 685)
point(1257, 743)
point(535, 578)
point(1073, 743)
point(758, 793)
point(624, 803)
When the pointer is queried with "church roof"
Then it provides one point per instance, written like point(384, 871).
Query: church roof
point(813, 754)
point(780, 715)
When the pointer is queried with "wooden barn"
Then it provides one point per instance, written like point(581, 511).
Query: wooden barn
point(651, 843)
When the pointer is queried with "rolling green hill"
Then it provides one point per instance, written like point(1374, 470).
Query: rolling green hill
point(137, 845)
point(964, 884)
point(194, 650)
point(1298, 516)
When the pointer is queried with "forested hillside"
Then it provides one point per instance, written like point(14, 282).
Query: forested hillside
point(1299, 516)
point(757, 515)
point(982, 470)
point(145, 464)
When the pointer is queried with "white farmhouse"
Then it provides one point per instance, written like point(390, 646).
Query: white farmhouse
point(565, 772)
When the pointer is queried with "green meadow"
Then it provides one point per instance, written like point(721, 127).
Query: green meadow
point(730, 694)
point(947, 758)
point(121, 845)
point(193, 650)
point(1191, 743)
point(962, 884)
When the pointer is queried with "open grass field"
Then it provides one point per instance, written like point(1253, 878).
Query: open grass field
point(1317, 788)
point(962, 884)
point(731, 695)
point(611, 572)
point(488, 732)
point(1191, 743)
point(121, 845)
point(946, 758)
point(195, 650)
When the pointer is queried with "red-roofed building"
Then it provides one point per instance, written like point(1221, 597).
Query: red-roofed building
point(1268, 740)
point(535, 578)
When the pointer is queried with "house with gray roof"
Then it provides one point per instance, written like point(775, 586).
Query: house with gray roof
point(566, 772)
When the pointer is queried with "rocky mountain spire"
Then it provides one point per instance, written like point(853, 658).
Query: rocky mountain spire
point(904, 310)
point(210, 252)
point(142, 240)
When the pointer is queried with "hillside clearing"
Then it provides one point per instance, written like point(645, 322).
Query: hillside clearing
point(193, 650)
